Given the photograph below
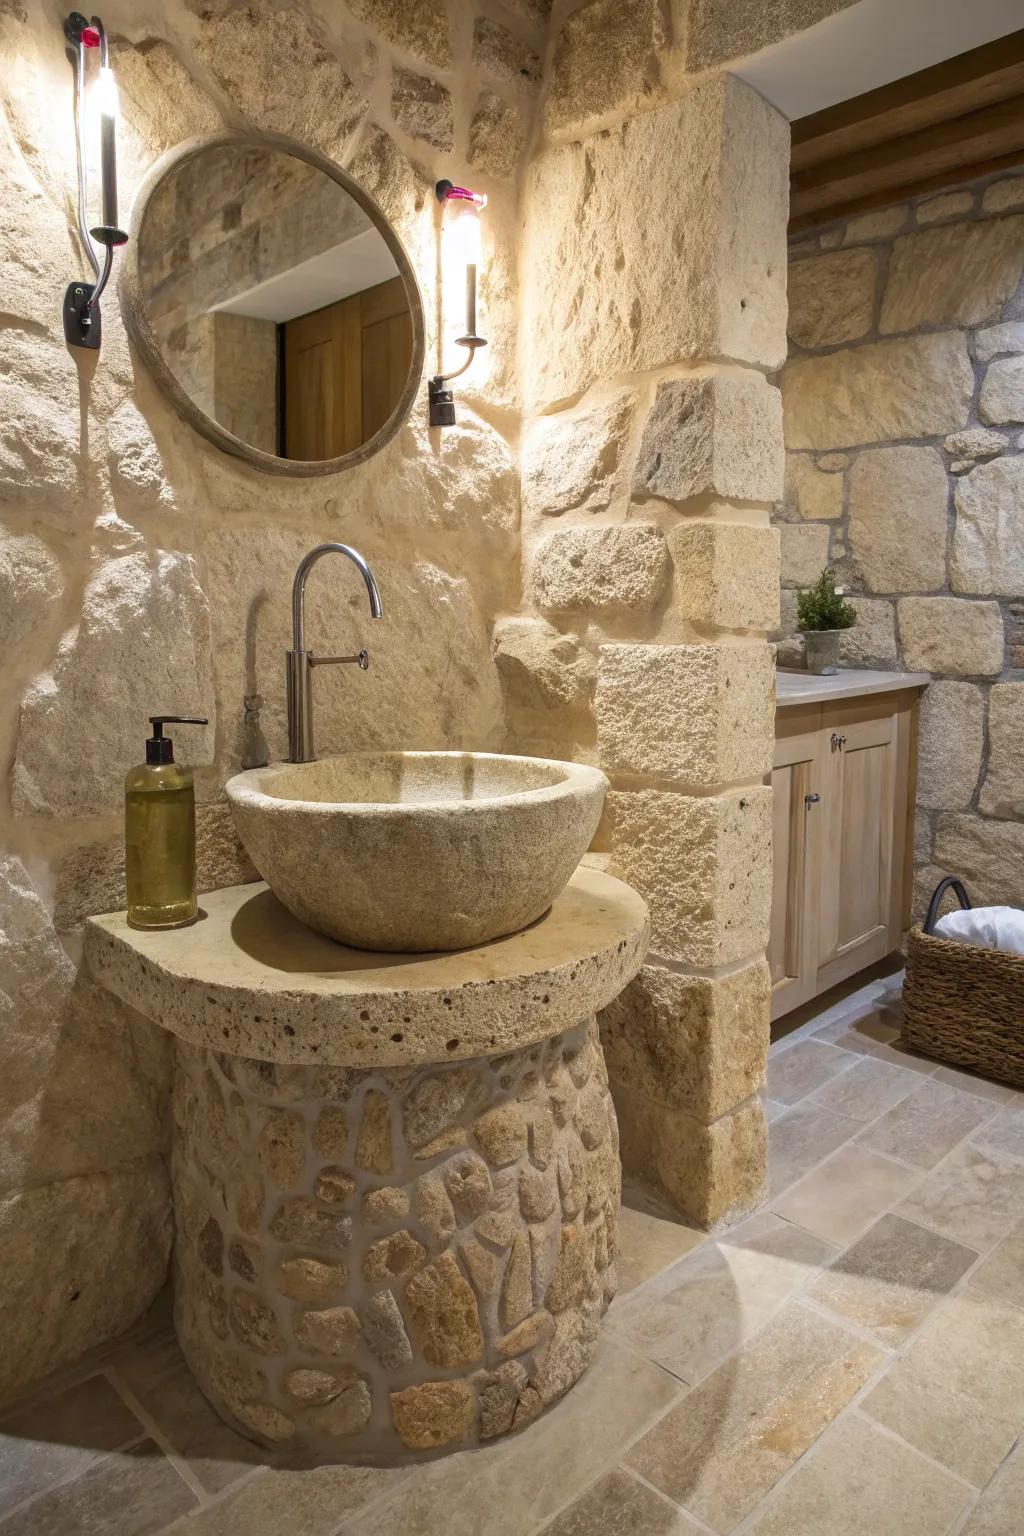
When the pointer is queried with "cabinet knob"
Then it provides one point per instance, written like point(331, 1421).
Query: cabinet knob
point(837, 743)
point(811, 799)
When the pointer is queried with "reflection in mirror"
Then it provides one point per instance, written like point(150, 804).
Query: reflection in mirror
point(275, 301)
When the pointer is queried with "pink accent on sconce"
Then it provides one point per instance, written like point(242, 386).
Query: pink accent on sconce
point(446, 192)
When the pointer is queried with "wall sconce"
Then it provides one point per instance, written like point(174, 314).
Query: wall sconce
point(82, 300)
point(461, 246)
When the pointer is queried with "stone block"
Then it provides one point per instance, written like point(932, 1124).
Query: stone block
point(711, 1173)
point(952, 736)
point(975, 443)
point(573, 461)
point(704, 866)
point(813, 494)
point(602, 67)
point(948, 205)
point(1002, 392)
point(987, 855)
point(422, 107)
point(1002, 792)
point(692, 714)
point(919, 386)
point(804, 553)
point(143, 637)
point(879, 224)
point(160, 103)
point(832, 298)
point(443, 1316)
point(600, 570)
point(951, 635)
point(988, 540)
point(296, 87)
point(497, 136)
point(727, 574)
point(690, 1042)
point(1003, 195)
point(717, 33)
point(83, 1259)
point(419, 27)
point(716, 161)
point(999, 339)
point(30, 581)
point(872, 640)
point(548, 680)
point(713, 432)
point(499, 52)
point(897, 527)
point(961, 274)
point(433, 1414)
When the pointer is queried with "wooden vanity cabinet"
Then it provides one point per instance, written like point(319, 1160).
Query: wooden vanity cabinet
point(844, 778)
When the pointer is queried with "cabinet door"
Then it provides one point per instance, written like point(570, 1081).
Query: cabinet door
point(855, 893)
point(792, 946)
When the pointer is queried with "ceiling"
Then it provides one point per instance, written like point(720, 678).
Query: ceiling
point(891, 101)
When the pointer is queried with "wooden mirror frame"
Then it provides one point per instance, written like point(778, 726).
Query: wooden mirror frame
point(142, 335)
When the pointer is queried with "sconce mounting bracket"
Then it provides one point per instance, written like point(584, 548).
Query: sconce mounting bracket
point(442, 403)
point(82, 324)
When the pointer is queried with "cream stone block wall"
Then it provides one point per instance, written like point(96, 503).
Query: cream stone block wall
point(655, 224)
point(903, 403)
point(143, 571)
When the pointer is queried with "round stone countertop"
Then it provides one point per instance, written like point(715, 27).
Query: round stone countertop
point(251, 980)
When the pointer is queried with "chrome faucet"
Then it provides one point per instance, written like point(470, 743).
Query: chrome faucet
point(299, 662)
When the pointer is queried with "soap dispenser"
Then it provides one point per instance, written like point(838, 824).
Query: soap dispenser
point(160, 834)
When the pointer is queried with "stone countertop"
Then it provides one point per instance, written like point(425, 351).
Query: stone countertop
point(250, 980)
point(793, 688)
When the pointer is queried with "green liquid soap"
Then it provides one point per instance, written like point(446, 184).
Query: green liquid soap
point(160, 846)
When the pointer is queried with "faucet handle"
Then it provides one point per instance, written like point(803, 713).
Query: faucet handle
point(362, 660)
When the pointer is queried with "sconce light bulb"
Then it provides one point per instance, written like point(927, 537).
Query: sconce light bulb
point(465, 236)
point(106, 93)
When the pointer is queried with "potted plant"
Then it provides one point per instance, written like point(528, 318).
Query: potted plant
point(822, 613)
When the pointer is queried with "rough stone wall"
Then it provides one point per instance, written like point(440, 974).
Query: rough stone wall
point(384, 1264)
point(904, 420)
point(141, 570)
point(654, 306)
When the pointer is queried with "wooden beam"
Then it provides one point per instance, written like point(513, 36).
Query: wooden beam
point(982, 77)
point(884, 196)
point(947, 149)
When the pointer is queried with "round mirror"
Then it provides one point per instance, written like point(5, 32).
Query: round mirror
point(274, 303)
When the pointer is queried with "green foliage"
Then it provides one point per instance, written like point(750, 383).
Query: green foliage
point(822, 607)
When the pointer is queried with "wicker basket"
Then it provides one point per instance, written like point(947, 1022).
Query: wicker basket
point(964, 1004)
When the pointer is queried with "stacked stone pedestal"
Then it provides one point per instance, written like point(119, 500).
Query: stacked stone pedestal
point(384, 1264)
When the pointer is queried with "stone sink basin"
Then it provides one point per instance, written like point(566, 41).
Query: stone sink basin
point(417, 851)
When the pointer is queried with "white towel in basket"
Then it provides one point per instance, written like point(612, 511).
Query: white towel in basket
point(987, 927)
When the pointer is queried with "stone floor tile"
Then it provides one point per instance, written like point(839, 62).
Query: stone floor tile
point(867, 1090)
point(800, 1139)
point(998, 1511)
point(926, 1126)
point(1004, 1134)
point(649, 1243)
point(970, 1082)
point(773, 1109)
point(798, 1070)
point(128, 1493)
point(862, 1482)
point(974, 1346)
point(620, 1505)
point(704, 1308)
point(840, 1198)
point(1001, 1275)
point(307, 1501)
point(891, 1278)
point(61, 1437)
point(951, 1427)
point(156, 1373)
point(728, 1442)
point(975, 1196)
point(513, 1487)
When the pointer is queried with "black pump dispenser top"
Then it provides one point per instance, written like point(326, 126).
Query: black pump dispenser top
point(160, 748)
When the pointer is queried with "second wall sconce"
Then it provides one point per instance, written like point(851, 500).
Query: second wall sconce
point(461, 243)
point(81, 299)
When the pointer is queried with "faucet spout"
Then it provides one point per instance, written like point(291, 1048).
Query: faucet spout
point(299, 662)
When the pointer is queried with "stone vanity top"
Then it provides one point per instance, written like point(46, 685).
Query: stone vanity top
point(250, 980)
point(804, 688)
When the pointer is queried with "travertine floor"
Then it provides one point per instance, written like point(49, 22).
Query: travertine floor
point(848, 1362)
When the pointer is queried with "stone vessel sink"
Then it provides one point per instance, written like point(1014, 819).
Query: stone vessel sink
point(417, 851)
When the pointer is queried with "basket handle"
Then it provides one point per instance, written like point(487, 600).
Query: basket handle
point(949, 882)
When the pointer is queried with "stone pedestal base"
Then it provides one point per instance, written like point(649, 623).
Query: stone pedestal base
point(385, 1263)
